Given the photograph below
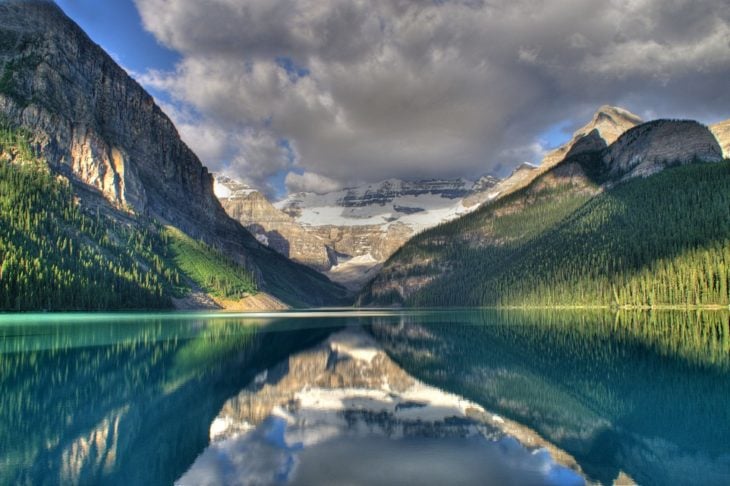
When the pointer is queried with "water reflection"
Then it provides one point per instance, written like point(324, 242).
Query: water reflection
point(134, 399)
point(127, 399)
point(344, 413)
point(635, 392)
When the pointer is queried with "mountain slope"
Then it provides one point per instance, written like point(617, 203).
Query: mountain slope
point(94, 125)
point(587, 232)
point(54, 256)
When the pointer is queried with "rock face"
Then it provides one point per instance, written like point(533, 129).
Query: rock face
point(721, 131)
point(278, 230)
point(650, 147)
point(94, 123)
point(96, 126)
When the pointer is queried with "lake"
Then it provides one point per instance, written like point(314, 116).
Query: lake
point(366, 397)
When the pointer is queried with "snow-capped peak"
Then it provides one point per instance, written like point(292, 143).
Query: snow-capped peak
point(226, 187)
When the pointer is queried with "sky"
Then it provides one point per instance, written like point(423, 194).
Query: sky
point(292, 95)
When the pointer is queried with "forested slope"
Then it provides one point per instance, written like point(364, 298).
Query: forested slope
point(54, 255)
point(656, 241)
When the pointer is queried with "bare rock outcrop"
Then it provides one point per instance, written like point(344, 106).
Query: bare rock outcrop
point(653, 146)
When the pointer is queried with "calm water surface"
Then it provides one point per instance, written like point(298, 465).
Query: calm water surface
point(130, 399)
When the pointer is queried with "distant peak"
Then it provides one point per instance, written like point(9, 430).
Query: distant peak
point(610, 121)
point(524, 166)
point(615, 112)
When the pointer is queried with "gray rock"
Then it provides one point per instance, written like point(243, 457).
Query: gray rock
point(653, 146)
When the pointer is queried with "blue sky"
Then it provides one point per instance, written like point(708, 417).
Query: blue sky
point(117, 27)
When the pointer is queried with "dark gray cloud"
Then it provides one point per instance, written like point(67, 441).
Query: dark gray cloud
point(365, 90)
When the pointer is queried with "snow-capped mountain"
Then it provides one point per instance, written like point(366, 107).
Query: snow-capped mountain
point(419, 204)
point(348, 234)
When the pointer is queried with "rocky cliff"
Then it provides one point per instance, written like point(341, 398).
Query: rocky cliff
point(93, 122)
point(98, 127)
point(278, 230)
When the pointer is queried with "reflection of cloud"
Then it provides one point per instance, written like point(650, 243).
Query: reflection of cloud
point(371, 449)
point(257, 458)
point(367, 90)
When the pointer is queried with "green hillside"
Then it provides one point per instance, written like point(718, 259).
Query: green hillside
point(209, 269)
point(56, 256)
point(657, 241)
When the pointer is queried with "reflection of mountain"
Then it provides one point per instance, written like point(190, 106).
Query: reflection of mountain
point(642, 393)
point(337, 412)
point(127, 401)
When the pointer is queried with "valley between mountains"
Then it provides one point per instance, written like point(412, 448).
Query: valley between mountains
point(103, 206)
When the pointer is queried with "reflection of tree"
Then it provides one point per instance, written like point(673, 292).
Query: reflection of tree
point(617, 391)
point(125, 401)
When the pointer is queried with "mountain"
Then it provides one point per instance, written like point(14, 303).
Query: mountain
point(640, 222)
point(606, 125)
point(271, 226)
point(648, 148)
point(347, 234)
point(91, 124)
point(610, 122)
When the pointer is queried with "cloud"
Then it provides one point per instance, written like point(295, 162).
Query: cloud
point(366, 90)
point(310, 182)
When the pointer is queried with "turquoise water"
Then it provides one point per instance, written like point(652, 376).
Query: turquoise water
point(129, 399)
